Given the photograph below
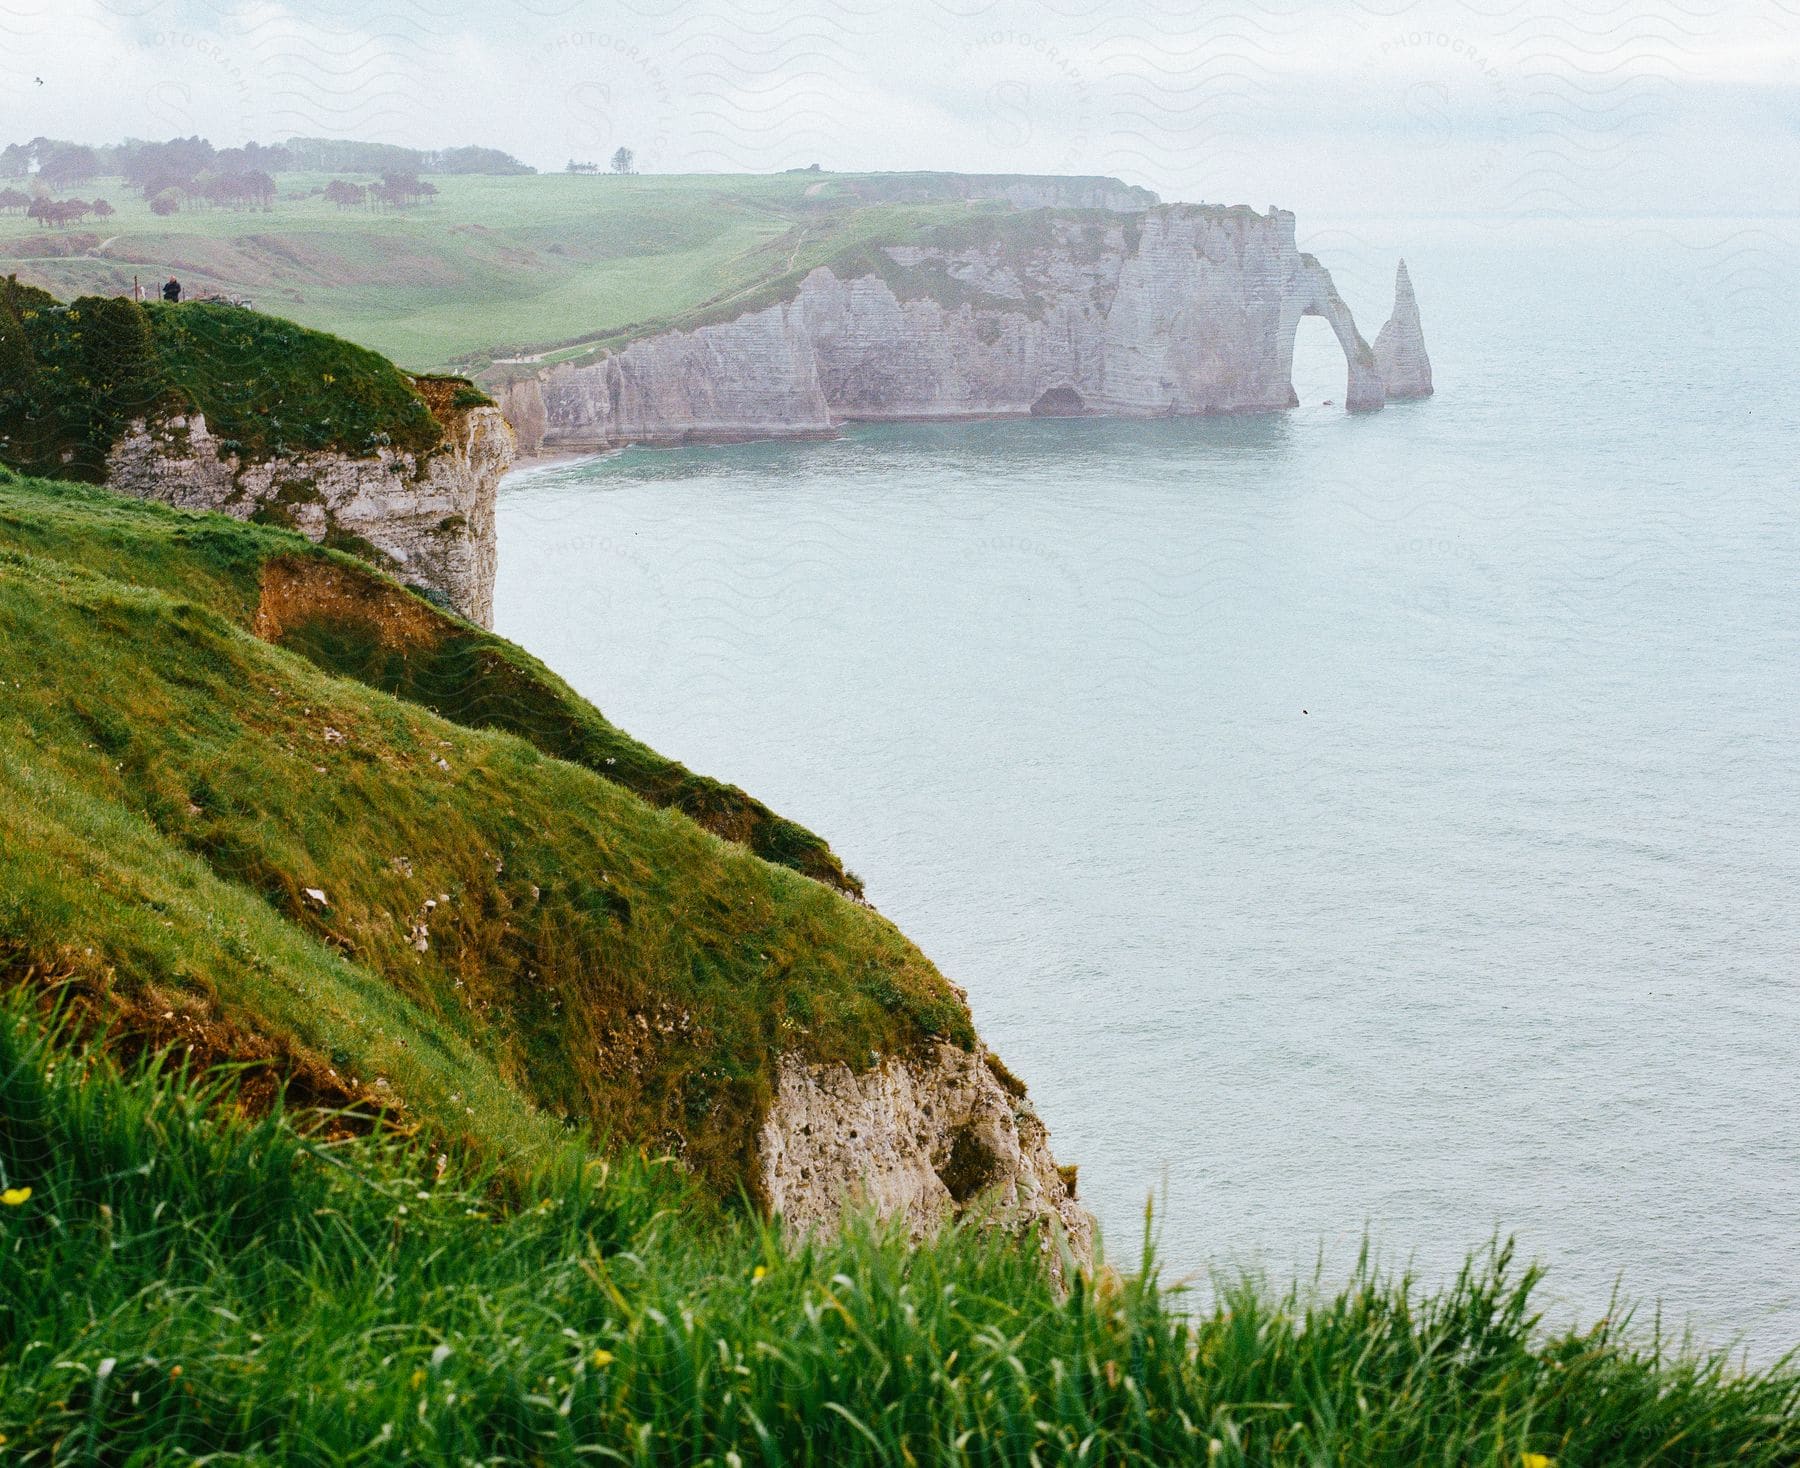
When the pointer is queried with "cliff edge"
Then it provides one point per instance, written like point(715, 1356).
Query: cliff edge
point(340, 835)
point(211, 406)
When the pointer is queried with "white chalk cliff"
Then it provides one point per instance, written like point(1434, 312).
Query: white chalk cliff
point(1175, 309)
point(1400, 355)
point(926, 1139)
point(430, 516)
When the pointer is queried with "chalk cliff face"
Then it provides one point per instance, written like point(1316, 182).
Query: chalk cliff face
point(923, 1138)
point(1174, 309)
point(431, 515)
point(1400, 349)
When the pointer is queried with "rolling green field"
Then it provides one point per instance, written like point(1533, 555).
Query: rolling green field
point(494, 266)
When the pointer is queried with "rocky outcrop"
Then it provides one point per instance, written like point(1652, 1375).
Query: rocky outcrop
point(926, 1139)
point(1400, 355)
point(429, 518)
point(1172, 310)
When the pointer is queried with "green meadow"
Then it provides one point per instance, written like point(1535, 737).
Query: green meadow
point(494, 266)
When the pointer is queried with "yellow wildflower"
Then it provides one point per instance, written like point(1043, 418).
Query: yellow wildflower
point(603, 1357)
point(13, 1197)
point(1536, 1460)
point(418, 1378)
point(759, 1271)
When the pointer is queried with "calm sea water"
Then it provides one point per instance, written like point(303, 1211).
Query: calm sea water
point(1378, 823)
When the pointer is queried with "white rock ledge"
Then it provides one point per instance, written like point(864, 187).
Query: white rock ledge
point(925, 1138)
point(432, 515)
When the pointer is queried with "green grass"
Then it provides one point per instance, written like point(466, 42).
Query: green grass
point(274, 388)
point(186, 1283)
point(373, 631)
point(171, 787)
point(496, 265)
point(73, 377)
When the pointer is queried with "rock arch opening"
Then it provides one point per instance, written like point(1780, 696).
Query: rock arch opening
point(1318, 373)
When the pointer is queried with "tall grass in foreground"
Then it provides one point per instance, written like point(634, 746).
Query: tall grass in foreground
point(183, 1282)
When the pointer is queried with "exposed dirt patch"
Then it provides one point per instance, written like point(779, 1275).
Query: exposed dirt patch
point(47, 246)
point(191, 1030)
point(301, 589)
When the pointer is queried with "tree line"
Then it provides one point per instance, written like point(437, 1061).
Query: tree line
point(53, 213)
point(395, 191)
point(62, 163)
point(190, 172)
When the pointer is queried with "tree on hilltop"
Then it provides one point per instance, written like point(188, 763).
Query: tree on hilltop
point(472, 160)
point(66, 163)
point(622, 160)
point(143, 164)
point(402, 190)
point(161, 183)
point(59, 213)
point(252, 189)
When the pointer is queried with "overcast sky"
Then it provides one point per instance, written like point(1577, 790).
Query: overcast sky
point(1382, 106)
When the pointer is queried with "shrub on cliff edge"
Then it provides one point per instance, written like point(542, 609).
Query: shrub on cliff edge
point(72, 378)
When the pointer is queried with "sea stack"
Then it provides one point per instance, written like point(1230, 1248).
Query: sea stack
point(1400, 349)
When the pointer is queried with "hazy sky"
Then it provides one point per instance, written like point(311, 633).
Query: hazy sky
point(1464, 106)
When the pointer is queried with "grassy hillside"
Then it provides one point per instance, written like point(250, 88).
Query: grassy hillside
point(180, 1282)
point(215, 836)
point(494, 266)
point(71, 378)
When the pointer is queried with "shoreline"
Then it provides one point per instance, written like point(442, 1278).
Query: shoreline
point(550, 458)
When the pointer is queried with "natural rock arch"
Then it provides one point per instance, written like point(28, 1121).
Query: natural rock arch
point(1313, 294)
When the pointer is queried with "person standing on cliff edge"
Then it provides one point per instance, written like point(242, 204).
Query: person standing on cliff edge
point(172, 291)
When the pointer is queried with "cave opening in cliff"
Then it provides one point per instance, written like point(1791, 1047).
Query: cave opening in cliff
point(1319, 372)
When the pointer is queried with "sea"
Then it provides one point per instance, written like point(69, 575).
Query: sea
point(1360, 831)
